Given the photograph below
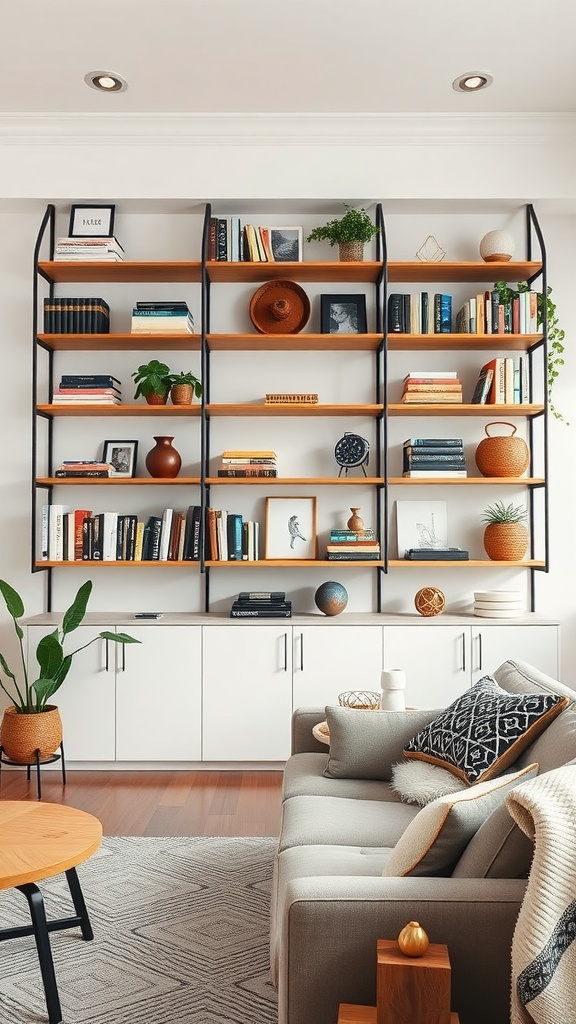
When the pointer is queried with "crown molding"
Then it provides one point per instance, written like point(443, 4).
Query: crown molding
point(320, 130)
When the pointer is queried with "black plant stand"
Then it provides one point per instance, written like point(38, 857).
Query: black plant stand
point(37, 763)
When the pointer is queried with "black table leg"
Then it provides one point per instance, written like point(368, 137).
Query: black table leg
point(40, 928)
point(79, 904)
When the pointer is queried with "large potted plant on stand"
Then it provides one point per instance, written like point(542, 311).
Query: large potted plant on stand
point(349, 233)
point(31, 724)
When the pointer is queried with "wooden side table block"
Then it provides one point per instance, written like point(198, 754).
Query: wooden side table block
point(414, 989)
point(349, 1013)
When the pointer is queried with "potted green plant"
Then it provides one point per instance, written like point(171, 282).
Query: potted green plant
point(505, 536)
point(183, 387)
point(348, 232)
point(153, 382)
point(31, 723)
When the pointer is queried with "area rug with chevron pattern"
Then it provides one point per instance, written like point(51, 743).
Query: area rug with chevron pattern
point(180, 937)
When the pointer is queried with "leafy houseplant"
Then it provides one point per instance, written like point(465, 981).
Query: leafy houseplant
point(505, 536)
point(354, 227)
point(555, 333)
point(183, 386)
point(153, 382)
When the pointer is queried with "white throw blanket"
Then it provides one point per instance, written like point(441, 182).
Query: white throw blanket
point(544, 946)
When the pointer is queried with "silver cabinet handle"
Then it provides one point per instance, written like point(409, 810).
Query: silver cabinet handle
point(106, 662)
point(285, 652)
point(480, 657)
point(463, 652)
point(122, 667)
point(301, 652)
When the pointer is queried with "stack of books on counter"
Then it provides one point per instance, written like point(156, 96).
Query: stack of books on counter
point(245, 463)
point(88, 249)
point(88, 389)
point(353, 546)
point(433, 456)
point(261, 604)
point(76, 315)
point(162, 318)
point(425, 387)
point(83, 467)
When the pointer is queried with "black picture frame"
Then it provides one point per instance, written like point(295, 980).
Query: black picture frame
point(353, 315)
point(122, 457)
point(91, 220)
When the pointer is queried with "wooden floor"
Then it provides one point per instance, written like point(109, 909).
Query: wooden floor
point(210, 803)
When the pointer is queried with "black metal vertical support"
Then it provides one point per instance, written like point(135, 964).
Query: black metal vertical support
point(533, 227)
point(382, 377)
point(205, 424)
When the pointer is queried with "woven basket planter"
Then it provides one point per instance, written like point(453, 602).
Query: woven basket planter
point(505, 542)
point(182, 394)
point(502, 456)
point(351, 252)
point(22, 735)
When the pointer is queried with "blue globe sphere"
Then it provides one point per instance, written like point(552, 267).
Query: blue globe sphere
point(331, 598)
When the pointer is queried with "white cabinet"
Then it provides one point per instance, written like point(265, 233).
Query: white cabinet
point(328, 659)
point(537, 644)
point(247, 692)
point(159, 694)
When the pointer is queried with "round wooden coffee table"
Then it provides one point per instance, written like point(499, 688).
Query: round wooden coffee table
point(38, 841)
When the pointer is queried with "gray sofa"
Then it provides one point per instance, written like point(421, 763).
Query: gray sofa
point(331, 901)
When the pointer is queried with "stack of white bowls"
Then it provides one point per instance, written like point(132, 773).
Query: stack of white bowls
point(498, 604)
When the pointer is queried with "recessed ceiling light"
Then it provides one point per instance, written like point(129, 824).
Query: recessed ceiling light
point(105, 81)
point(472, 81)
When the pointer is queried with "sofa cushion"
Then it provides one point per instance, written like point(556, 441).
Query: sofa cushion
point(365, 744)
point(498, 850)
point(484, 730)
point(418, 782)
point(304, 776)
point(435, 839)
point(316, 820)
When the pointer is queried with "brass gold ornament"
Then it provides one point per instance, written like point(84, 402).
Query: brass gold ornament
point(413, 940)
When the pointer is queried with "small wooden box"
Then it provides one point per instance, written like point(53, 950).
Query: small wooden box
point(414, 989)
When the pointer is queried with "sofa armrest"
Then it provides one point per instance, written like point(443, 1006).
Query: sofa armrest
point(303, 720)
point(330, 927)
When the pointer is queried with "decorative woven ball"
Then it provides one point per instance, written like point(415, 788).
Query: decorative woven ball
point(331, 598)
point(429, 601)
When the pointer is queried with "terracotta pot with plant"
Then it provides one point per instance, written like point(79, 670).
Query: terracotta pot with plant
point(505, 536)
point(153, 382)
point(183, 387)
point(349, 233)
point(31, 724)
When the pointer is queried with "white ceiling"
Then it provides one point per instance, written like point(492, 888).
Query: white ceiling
point(287, 56)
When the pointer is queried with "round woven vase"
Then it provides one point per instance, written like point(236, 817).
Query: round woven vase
point(22, 735)
point(505, 542)
point(502, 456)
point(351, 252)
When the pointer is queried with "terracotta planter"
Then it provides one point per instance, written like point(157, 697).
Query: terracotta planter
point(505, 542)
point(182, 394)
point(22, 735)
point(153, 399)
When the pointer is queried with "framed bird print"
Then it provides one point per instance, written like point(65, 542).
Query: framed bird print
point(291, 528)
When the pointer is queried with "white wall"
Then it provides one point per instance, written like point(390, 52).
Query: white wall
point(144, 166)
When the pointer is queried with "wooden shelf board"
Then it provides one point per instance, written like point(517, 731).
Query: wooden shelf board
point(285, 563)
point(463, 409)
point(91, 481)
point(294, 342)
point(332, 271)
point(356, 481)
point(458, 342)
point(120, 342)
point(525, 481)
point(469, 270)
point(246, 409)
point(85, 409)
point(115, 564)
point(124, 271)
point(474, 563)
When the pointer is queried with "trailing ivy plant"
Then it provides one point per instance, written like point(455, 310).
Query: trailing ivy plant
point(555, 332)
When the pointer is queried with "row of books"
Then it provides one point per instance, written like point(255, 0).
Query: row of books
point(353, 546)
point(430, 457)
point(88, 388)
point(419, 314)
point(162, 318)
point(504, 380)
point(81, 535)
point(107, 249)
point(229, 239)
point(247, 463)
point(72, 315)
point(261, 604)
point(230, 537)
point(424, 387)
point(484, 313)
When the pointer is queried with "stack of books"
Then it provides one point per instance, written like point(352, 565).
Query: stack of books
point(88, 388)
point(353, 546)
point(246, 463)
point(76, 316)
point(427, 387)
point(88, 249)
point(261, 604)
point(83, 467)
point(433, 456)
point(423, 313)
point(162, 318)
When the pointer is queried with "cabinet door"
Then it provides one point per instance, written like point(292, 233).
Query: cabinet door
point(86, 698)
point(537, 644)
point(436, 660)
point(247, 698)
point(158, 694)
point(331, 659)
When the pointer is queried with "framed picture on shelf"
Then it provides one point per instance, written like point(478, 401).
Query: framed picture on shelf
point(88, 221)
point(421, 524)
point(286, 244)
point(121, 455)
point(343, 314)
point(291, 528)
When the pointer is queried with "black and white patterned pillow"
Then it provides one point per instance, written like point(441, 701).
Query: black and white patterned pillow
point(485, 730)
